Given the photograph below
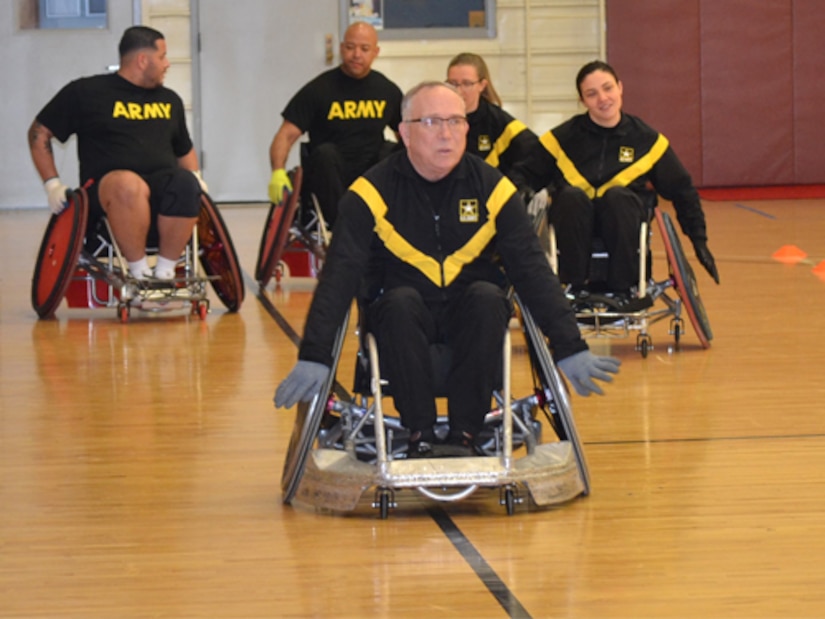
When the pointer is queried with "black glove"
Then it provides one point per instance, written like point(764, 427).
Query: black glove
point(706, 259)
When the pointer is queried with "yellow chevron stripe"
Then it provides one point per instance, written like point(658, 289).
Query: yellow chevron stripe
point(571, 174)
point(402, 249)
point(393, 241)
point(473, 248)
point(639, 167)
point(503, 142)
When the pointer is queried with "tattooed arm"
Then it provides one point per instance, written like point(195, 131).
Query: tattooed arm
point(40, 145)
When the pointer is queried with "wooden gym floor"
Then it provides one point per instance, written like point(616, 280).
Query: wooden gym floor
point(140, 463)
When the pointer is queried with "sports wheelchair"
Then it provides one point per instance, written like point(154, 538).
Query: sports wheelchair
point(599, 315)
point(78, 259)
point(343, 445)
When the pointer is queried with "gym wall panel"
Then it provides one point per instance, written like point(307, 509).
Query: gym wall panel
point(747, 92)
point(809, 90)
point(655, 48)
point(735, 84)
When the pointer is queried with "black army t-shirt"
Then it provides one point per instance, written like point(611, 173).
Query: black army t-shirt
point(351, 113)
point(119, 126)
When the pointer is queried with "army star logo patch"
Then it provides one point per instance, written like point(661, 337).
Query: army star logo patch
point(626, 154)
point(468, 211)
point(484, 143)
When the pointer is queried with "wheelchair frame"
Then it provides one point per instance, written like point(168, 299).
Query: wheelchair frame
point(88, 268)
point(601, 319)
point(342, 446)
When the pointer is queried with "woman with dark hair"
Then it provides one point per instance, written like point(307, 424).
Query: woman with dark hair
point(609, 168)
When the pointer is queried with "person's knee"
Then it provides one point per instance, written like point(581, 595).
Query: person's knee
point(624, 203)
point(487, 302)
point(122, 188)
point(400, 303)
point(570, 204)
point(180, 195)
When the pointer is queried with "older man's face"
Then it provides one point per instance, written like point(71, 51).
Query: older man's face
point(435, 133)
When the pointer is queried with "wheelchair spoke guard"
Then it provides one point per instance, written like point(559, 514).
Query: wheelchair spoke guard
point(276, 231)
point(307, 424)
point(58, 254)
point(552, 384)
point(684, 280)
point(218, 257)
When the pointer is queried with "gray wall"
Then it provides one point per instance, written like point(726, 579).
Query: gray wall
point(36, 63)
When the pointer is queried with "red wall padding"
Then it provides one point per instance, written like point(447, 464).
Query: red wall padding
point(735, 84)
point(809, 90)
point(654, 47)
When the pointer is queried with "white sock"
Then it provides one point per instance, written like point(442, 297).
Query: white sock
point(165, 268)
point(140, 268)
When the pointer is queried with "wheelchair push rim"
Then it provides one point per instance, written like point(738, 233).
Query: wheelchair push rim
point(684, 280)
point(218, 256)
point(276, 233)
point(550, 381)
point(307, 424)
point(58, 254)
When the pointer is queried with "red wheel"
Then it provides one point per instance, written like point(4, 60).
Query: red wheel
point(59, 251)
point(123, 312)
point(276, 233)
point(203, 309)
point(684, 281)
point(218, 257)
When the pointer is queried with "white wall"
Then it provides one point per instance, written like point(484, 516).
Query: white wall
point(540, 44)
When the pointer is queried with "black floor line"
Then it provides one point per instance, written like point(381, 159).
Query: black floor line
point(473, 557)
point(486, 574)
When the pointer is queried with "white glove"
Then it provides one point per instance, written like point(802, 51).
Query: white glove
point(56, 191)
point(202, 182)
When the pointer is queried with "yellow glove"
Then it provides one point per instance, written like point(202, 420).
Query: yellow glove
point(277, 184)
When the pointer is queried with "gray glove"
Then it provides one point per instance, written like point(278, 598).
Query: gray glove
point(304, 381)
point(584, 366)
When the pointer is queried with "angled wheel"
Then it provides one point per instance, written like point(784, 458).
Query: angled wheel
point(58, 254)
point(218, 257)
point(276, 230)
point(550, 381)
point(684, 281)
point(307, 423)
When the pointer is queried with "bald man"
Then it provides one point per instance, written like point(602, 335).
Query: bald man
point(344, 111)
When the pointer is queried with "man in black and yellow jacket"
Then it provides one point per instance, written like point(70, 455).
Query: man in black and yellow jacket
point(443, 235)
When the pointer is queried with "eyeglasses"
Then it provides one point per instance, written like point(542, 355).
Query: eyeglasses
point(464, 84)
point(435, 123)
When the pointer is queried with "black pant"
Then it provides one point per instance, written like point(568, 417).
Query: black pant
point(471, 327)
point(616, 218)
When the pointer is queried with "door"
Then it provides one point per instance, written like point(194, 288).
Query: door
point(254, 55)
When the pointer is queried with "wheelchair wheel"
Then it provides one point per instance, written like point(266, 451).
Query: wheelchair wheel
point(307, 423)
point(58, 254)
point(684, 280)
point(218, 257)
point(276, 231)
point(553, 387)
